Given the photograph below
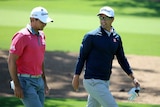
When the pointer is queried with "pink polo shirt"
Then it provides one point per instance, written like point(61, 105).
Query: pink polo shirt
point(30, 48)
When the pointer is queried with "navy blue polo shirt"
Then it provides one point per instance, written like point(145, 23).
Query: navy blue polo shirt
point(97, 52)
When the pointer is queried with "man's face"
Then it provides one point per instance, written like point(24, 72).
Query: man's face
point(105, 21)
point(38, 25)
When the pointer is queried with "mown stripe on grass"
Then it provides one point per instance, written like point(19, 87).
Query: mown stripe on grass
point(126, 24)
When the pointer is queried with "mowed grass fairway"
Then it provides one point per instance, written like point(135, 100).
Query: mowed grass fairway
point(138, 24)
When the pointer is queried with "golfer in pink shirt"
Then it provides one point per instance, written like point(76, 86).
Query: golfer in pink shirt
point(26, 60)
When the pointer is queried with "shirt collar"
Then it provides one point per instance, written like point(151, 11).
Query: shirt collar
point(112, 32)
point(29, 27)
point(109, 33)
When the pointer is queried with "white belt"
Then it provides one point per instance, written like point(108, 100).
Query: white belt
point(29, 76)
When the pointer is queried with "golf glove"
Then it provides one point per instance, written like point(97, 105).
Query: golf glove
point(134, 92)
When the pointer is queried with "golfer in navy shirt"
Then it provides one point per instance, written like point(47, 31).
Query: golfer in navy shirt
point(96, 55)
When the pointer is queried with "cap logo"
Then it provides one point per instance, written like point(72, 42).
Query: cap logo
point(44, 14)
point(105, 10)
point(34, 15)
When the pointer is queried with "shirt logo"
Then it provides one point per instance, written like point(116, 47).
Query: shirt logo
point(43, 42)
point(13, 48)
point(114, 40)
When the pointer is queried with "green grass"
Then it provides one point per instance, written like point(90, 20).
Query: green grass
point(140, 33)
point(61, 102)
point(139, 44)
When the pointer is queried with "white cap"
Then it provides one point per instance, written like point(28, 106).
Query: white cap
point(41, 14)
point(108, 11)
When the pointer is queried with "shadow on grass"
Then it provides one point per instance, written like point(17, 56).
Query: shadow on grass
point(49, 102)
point(10, 102)
point(147, 8)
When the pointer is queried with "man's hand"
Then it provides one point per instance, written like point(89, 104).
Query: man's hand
point(18, 92)
point(136, 83)
point(75, 82)
point(47, 90)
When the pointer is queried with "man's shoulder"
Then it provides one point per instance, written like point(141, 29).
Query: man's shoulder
point(117, 36)
point(94, 31)
point(24, 31)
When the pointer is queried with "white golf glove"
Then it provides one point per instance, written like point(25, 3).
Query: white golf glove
point(134, 92)
point(12, 84)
